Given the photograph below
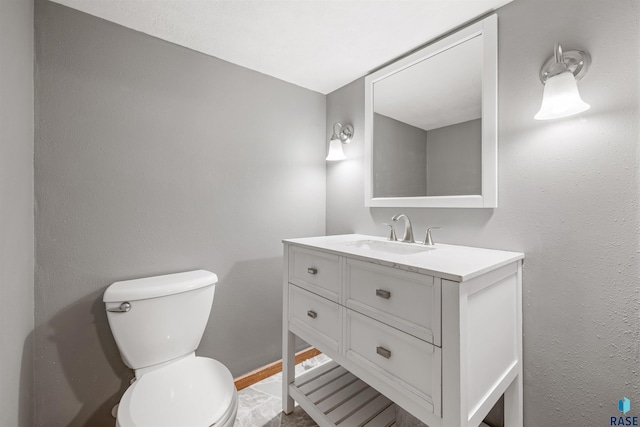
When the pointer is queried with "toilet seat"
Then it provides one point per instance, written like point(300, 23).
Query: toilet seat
point(191, 392)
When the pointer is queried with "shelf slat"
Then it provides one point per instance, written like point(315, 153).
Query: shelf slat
point(314, 373)
point(321, 381)
point(330, 403)
point(333, 388)
point(385, 418)
point(350, 406)
point(367, 412)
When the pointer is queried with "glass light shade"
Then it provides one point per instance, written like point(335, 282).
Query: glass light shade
point(335, 151)
point(561, 98)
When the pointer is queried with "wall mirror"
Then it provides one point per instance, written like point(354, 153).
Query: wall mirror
point(431, 124)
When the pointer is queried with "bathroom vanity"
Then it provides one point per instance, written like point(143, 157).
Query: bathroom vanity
point(436, 330)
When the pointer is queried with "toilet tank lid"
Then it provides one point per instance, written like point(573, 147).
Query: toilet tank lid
point(158, 286)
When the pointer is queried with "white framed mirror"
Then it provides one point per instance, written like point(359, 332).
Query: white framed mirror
point(431, 124)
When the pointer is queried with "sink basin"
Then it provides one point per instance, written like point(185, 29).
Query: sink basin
point(399, 248)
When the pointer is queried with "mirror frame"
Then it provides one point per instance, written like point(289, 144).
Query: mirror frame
point(488, 28)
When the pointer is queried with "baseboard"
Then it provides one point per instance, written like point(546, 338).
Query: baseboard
point(253, 377)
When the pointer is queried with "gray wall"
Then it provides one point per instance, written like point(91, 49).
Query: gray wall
point(568, 197)
point(150, 159)
point(412, 162)
point(454, 159)
point(16, 213)
point(399, 158)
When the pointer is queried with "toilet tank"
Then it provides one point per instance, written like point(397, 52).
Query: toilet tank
point(157, 319)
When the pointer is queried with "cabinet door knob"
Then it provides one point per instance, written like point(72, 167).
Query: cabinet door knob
point(312, 314)
point(312, 270)
point(383, 352)
point(383, 294)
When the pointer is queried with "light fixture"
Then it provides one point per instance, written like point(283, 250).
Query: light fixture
point(342, 136)
point(559, 75)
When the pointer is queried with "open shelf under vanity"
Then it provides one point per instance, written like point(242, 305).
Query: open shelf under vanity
point(331, 393)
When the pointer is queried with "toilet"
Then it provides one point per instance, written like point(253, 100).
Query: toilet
point(157, 323)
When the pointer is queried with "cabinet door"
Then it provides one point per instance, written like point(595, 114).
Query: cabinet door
point(395, 356)
point(405, 300)
point(314, 318)
point(316, 271)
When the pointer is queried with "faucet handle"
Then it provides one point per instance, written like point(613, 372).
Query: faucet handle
point(392, 232)
point(428, 241)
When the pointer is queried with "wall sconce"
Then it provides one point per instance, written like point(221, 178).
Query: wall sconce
point(342, 136)
point(559, 75)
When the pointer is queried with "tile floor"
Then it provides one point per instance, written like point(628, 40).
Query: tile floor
point(261, 404)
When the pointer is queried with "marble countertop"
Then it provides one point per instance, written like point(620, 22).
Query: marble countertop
point(451, 262)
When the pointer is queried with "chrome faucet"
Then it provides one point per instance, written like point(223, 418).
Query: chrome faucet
point(408, 230)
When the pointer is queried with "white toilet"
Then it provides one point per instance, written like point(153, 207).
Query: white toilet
point(157, 323)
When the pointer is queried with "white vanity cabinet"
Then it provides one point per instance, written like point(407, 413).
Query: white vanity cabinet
point(437, 331)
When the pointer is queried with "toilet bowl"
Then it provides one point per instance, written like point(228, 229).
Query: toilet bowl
point(195, 391)
point(157, 323)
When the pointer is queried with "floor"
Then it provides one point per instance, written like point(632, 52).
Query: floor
point(261, 404)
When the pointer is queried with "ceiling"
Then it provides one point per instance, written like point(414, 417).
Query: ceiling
point(442, 90)
point(317, 44)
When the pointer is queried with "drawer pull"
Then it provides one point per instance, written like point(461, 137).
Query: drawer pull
point(312, 270)
point(383, 352)
point(312, 314)
point(383, 294)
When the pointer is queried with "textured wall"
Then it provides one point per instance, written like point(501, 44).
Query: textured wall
point(16, 213)
point(568, 198)
point(150, 159)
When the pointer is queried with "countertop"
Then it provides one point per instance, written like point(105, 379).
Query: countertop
point(451, 262)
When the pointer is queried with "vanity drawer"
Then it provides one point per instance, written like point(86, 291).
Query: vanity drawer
point(398, 356)
point(405, 300)
point(315, 271)
point(315, 318)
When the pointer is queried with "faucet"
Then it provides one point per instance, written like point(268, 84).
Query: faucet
point(408, 231)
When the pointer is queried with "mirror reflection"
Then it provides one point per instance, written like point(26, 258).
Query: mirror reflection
point(427, 126)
